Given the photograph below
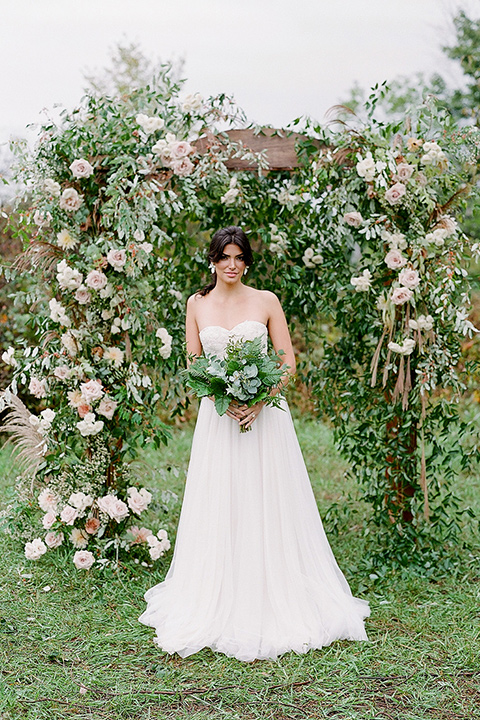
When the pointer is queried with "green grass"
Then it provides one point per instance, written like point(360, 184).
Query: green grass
point(422, 660)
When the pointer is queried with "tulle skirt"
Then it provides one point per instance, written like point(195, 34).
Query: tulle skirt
point(252, 575)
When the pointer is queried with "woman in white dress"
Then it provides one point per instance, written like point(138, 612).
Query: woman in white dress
point(252, 575)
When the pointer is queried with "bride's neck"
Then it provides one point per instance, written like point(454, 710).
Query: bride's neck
point(228, 292)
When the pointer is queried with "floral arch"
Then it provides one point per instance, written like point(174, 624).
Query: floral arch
point(355, 224)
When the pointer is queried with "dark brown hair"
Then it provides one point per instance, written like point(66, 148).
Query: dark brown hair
point(232, 234)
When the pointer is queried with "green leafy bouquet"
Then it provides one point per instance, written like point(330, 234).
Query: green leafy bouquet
point(245, 375)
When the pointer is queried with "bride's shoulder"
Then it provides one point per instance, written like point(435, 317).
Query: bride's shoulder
point(268, 298)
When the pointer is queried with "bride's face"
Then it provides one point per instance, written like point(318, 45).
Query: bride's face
point(231, 265)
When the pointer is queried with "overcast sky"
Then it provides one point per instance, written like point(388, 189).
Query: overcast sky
point(279, 58)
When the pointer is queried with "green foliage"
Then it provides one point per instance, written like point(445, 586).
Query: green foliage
point(245, 375)
point(140, 219)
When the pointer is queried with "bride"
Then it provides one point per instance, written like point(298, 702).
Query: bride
point(252, 575)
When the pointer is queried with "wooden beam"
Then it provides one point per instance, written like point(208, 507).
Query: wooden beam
point(279, 146)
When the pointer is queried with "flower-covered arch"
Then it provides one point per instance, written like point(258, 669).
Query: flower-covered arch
point(124, 194)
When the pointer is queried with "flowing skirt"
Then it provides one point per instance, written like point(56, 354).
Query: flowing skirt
point(252, 575)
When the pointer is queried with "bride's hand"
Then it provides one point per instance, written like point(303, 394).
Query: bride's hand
point(248, 415)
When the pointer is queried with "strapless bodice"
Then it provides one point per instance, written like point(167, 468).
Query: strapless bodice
point(215, 338)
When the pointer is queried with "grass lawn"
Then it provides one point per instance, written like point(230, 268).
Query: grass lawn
point(71, 646)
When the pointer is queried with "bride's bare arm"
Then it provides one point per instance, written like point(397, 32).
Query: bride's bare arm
point(194, 346)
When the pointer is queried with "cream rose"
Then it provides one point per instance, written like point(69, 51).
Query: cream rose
point(107, 407)
point(138, 500)
point(404, 172)
point(82, 295)
point(117, 258)
point(48, 519)
point(42, 218)
point(409, 278)
point(182, 167)
point(112, 506)
point(96, 279)
point(53, 539)
point(91, 390)
point(35, 549)
point(68, 515)
point(70, 200)
point(37, 387)
point(83, 559)
point(354, 219)
point(81, 168)
point(395, 260)
point(395, 193)
point(401, 295)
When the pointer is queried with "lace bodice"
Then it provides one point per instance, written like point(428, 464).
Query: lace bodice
point(214, 338)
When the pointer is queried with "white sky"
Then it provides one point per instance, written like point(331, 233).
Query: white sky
point(279, 58)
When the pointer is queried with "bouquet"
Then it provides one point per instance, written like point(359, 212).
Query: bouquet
point(245, 375)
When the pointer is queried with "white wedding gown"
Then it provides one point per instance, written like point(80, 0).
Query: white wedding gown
point(252, 575)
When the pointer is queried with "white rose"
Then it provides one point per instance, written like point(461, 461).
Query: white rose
point(53, 539)
point(70, 200)
point(150, 124)
point(83, 559)
point(82, 295)
point(138, 500)
point(117, 258)
point(68, 515)
point(401, 295)
point(354, 219)
point(366, 168)
point(37, 387)
point(409, 278)
point(394, 259)
point(192, 103)
point(395, 193)
point(107, 407)
point(81, 168)
point(96, 279)
point(58, 314)
point(80, 501)
point(146, 247)
point(182, 166)
point(90, 426)
point(42, 218)
point(91, 390)
point(35, 549)
point(68, 278)
point(48, 519)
